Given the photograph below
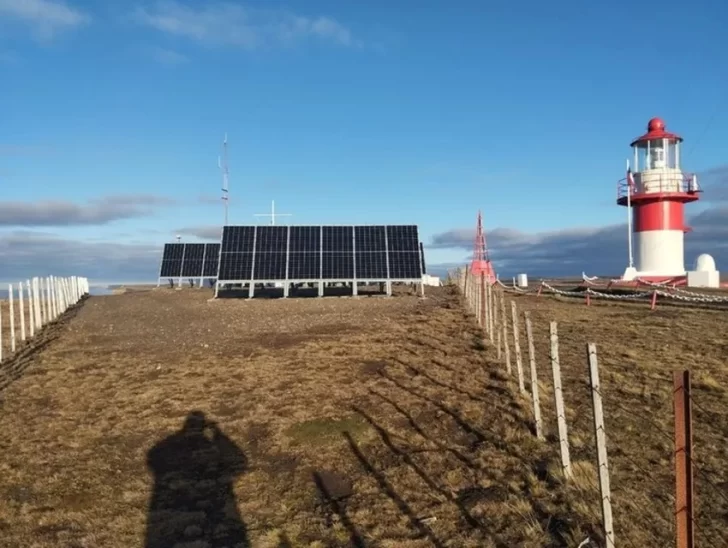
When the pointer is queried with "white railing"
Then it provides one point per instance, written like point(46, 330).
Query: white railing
point(34, 304)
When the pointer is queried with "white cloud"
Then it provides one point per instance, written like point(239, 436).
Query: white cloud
point(45, 17)
point(205, 232)
point(224, 23)
point(95, 212)
point(30, 253)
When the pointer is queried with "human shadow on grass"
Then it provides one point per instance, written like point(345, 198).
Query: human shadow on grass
point(193, 502)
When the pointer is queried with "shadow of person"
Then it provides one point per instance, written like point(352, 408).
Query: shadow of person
point(193, 503)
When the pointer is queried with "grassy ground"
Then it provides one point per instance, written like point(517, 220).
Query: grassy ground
point(638, 350)
point(341, 422)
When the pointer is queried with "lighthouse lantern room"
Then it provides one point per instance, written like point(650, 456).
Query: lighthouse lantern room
point(656, 191)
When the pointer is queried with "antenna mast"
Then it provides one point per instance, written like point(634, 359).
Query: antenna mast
point(223, 165)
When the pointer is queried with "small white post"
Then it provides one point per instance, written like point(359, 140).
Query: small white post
point(559, 400)
point(517, 344)
point(534, 378)
point(44, 296)
point(31, 310)
point(21, 307)
point(37, 296)
point(36, 303)
point(57, 289)
point(52, 296)
point(601, 437)
point(504, 324)
point(12, 317)
point(65, 293)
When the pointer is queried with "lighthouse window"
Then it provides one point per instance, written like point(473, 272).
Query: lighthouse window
point(657, 158)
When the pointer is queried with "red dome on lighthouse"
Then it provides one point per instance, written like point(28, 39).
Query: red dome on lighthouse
point(656, 129)
point(655, 124)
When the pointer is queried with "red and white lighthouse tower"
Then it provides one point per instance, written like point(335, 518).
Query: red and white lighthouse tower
point(481, 262)
point(657, 191)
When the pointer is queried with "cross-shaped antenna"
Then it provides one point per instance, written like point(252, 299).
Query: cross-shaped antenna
point(272, 213)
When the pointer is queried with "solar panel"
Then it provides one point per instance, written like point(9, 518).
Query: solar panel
point(172, 261)
point(194, 255)
point(422, 259)
point(212, 260)
point(316, 253)
point(190, 260)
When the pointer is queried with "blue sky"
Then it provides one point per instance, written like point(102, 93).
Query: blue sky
point(112, 116)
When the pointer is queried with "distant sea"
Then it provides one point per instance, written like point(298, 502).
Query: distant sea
point(95, 290)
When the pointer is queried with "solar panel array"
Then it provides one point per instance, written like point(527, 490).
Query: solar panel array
point(190, 261)
point(310, 253)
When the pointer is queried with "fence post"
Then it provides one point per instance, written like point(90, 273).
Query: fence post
point(465, 285)
point(559, 401)
point(52, 298)
point(478, 309)
point(504, 325)
point(601, 437)
point(21, 306)
point(684, 503)
point(31, 310)
point(38, 311)
point(490, 310)
point(481, 317)
point(517, 345)
point(12, 317)
point(534, 378)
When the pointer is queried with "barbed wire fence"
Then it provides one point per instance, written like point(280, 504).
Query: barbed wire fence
point(502, 332)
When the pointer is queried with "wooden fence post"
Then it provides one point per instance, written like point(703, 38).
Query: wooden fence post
point(504, 324)
point(559, 401)
point(517, 345)
point(534, 378)
point(601, 437)
point(684, 503)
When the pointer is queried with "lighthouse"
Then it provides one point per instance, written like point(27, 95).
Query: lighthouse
point(656, 190)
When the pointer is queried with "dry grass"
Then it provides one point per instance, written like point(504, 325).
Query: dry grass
point(638, 351)
point(357, 422)
point(360, 422)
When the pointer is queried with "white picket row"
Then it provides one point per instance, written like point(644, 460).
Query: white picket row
point(47, 299)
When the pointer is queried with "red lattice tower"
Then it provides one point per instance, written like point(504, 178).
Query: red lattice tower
point(481, 263)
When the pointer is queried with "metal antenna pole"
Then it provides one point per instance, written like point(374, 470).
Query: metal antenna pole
point(223, 165)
